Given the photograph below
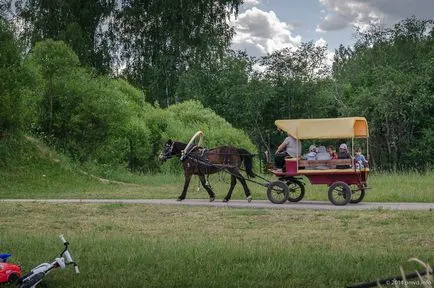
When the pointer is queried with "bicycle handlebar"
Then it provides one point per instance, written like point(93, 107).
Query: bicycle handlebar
point(67, 254)
point(62, 238)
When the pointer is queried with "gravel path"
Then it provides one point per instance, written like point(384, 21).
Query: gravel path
point(309, 205)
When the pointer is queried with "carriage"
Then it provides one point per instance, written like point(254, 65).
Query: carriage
point(345, 186)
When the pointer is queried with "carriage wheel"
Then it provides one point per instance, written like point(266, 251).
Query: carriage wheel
point(277, 192)
point(296, 190)
point(339, 193)
point(357, 195)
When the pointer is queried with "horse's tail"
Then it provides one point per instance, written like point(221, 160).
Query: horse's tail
point(246, 156)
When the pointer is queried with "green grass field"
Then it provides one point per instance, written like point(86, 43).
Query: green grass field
point(163, 246)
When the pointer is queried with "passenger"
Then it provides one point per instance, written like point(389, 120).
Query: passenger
point(322, 154)
point(360, 160)
point(310, 156)
point(343, 154)
point(290, 147)
point(312, 153)
point(332, 151)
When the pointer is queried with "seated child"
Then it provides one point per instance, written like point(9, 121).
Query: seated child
point(343, 154)
point(332, 151)
point(312, 153)
point(360, 160)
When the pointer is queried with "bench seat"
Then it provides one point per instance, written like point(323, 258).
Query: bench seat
point(331, 171)
point(323, 164)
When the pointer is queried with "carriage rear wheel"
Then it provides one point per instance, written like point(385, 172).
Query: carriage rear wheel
point(277, 192)
point(296, 190)
point(339, 193)
point(358, 193)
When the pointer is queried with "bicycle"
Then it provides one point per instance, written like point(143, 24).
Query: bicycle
point(37, 274)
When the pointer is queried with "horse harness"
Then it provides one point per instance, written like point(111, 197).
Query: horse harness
point(202, 158)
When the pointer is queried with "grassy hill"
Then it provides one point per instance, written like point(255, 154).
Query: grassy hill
point(29, 168)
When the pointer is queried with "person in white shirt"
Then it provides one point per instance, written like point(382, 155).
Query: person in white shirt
point(290, 147)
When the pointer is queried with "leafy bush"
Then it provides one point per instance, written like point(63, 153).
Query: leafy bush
point(107, 121)
point(183, 120)
point(87, 117)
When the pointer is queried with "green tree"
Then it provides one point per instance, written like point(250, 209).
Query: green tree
point(56, 62)
point(14, 80)
point(294, 75)
point(233, 89)
point(160, 40)
point(387, 78)
point(79, 23)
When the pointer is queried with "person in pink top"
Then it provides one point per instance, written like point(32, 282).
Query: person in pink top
point(332, 151)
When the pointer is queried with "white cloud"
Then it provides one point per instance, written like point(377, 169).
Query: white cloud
point(260, 32)
point(329, 54)
point(251, 2)
point(341, 14)
point(320, 42)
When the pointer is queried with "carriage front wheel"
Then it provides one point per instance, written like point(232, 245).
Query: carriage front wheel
point(339, 193)
point(277, 192)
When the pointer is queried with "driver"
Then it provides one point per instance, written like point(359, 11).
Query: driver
point(290, 147)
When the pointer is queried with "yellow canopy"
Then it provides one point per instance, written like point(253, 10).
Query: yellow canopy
point(327, 128)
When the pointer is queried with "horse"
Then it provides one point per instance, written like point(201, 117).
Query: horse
point(199, 161)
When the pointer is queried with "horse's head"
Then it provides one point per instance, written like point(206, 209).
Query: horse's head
point(171, 148)
point(167, 151)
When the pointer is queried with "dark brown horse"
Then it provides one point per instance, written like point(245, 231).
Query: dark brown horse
point(201, 162)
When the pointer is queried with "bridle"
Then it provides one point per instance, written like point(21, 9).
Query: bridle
point(167, 152)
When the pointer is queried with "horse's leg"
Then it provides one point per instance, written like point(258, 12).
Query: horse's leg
point(207, 187)
point(187, 178)
point(240, 178)
point(233, 183)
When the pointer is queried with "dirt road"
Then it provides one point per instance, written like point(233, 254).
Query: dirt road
point(262, 204)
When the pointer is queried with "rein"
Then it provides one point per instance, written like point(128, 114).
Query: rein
point(219, 153)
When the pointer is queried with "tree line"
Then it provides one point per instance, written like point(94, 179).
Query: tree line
point(176, 51)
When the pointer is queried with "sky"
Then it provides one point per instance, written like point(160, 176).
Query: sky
point(264, 26)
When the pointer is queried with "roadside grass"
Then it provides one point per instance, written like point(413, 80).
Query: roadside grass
point(32, 170)
point(164, 246)
point(389, 187)
point(51, 180)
